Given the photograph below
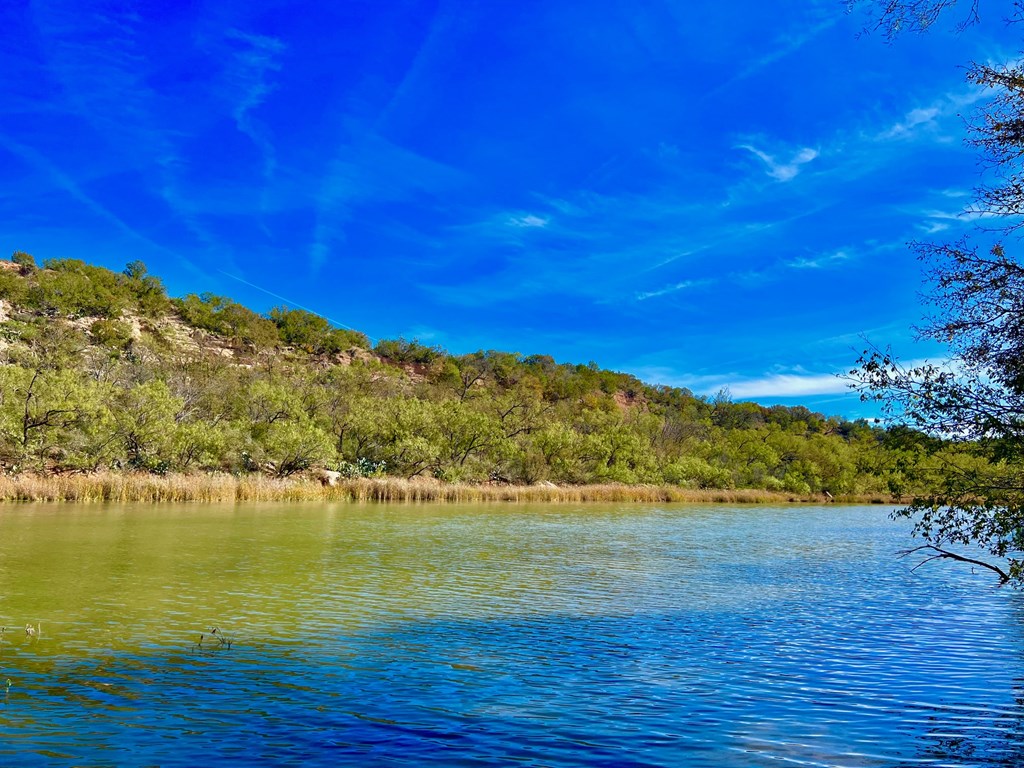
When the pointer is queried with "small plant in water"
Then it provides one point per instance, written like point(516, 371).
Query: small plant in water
point(215, 640)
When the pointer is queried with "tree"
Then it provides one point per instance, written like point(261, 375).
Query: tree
point(401, 350)
point(973, 404)
point(148, 290)
point(72, 288)
point(309, 332)
point(25, 261)
point(224, 317)
point(895, 17)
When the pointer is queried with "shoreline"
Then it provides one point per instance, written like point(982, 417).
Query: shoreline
point(103, 487)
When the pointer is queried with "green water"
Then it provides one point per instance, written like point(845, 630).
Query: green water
point(458, 635)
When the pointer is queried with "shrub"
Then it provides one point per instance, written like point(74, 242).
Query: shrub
point(26, 261)
point(13, 287)
point(225, 317)
point(402, 351)
point(73, 288)
point(111, 333)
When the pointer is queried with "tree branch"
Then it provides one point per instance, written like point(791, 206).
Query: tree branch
point(1004, 577)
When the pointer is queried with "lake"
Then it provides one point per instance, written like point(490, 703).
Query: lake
point(599, 635)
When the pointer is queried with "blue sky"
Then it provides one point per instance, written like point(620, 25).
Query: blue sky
point(704, 194)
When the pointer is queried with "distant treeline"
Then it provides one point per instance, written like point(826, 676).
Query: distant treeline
point(104, 371)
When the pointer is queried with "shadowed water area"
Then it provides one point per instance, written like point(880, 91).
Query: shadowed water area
point(620, 635)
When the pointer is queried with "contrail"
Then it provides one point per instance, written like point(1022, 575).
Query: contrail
point(296, 304)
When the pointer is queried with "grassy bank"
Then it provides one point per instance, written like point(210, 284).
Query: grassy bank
point(126, 487)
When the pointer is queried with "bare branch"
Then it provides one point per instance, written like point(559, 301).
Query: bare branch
point(1004, 577)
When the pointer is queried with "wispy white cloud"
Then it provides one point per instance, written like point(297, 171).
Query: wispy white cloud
point(930, 118)
point(933, 227)
point(782, 170)
point(508, 228)
point(821, 261)
point(435, 43)
point(788, 385)
point(964, 215)
point(943, 219)
point(252, 62)
point(104, 68)
point(368, 168)
point(772, 385)
point(674, 288)
point(527, 221)
point(782, 47)
point(914, 119)
point(935, 219)
point(62, 181)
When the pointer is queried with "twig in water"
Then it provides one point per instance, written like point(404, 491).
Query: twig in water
point(215, 634)
point(222, 641)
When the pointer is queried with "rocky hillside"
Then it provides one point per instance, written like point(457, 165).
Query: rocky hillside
point(104, 370)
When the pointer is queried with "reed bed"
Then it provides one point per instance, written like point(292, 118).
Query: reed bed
point(226, 488)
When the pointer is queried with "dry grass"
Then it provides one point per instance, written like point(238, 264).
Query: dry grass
point(224, 488)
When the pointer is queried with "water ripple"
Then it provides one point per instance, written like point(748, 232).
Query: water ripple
point(601, 636)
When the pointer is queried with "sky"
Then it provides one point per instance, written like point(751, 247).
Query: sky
point(702, 194)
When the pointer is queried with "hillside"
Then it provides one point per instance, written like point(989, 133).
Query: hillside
point(104, 371)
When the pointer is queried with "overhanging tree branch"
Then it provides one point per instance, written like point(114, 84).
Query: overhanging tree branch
point(1004, 577)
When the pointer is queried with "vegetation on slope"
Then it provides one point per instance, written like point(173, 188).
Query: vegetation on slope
point(103, 371)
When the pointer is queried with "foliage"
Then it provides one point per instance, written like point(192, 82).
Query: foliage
point(226, 318)
point(25, 261)
point(12, 287)
point(147, 290)
point(312, 333)
point(72, 288)
point(111, 333)
point(403, 351)
point(131, 395)
point(970, 407)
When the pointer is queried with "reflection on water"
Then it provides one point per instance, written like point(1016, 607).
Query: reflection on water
point(553, 636)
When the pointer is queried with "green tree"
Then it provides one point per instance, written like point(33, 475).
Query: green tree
point(465, 437)
point(224, 317)
point(13, 287)
point(401, 350)
point(72, 288)
point(25, 261)
point(147, 290)
point(289, 446)
point(144, 424)
point(39, 407)
point(309, 332)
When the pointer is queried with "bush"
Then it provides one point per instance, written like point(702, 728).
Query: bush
point(313, 333)
point(147, 290)
point(13, 287)
point(111, 333)
point(26, 261)
point(73, 288)
point(224, 317)
point(694, 472)
point(362, 467)
point(401, 351)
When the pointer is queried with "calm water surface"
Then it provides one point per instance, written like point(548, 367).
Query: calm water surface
point(498, 635)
